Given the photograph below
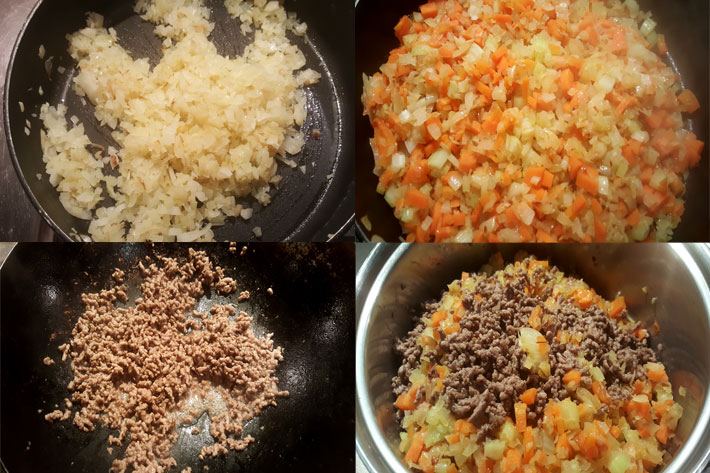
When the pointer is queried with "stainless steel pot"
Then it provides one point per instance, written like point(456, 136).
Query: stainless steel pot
point(663, 282)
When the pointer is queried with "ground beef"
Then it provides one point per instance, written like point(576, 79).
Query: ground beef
point(485, 360)
point(157, 364)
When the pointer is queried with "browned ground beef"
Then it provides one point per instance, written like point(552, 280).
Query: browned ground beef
point(138, 369)
point(485, 360)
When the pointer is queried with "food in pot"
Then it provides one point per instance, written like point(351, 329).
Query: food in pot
point(531, 120)
point(144, 367)
point(527, 369)
point(195, 133)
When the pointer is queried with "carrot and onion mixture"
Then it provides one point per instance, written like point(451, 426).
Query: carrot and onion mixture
point(531, 120)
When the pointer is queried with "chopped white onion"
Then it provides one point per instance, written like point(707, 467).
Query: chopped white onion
point(455, 182)
point(464, 236)
point(604, 186)
point(398, 162)
point(434, 130)
point(426, 223)
point(438, 158)
point(525, 213)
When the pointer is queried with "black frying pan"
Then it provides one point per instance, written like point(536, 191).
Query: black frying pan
point(311, 315)
point(685, 25)
point(310, 207)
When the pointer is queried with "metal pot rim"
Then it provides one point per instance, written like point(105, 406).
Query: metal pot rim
point(370, 444)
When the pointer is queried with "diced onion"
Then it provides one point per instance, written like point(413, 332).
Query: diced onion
point(525, 213)
point(455, 182)
point(604, 186)
point(434, 130)
point(438, 158)
point(407, 214)
point(464, 236)
point(426, 223)
point(398, 161)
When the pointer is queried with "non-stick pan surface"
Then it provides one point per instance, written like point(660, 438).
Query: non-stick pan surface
point(685, 25)
point(311, 315)
point(305, 207)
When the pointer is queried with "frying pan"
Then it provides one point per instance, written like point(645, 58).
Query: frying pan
point(685, 25)
point(314, 206)
point(311, 315)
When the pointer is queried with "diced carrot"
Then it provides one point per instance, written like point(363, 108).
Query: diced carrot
point(532, 102)
point(588, 444)
point(572, 377)
point(577, 205)
point(618, 41)
point(534, 320)
point(631, 151)
point(556, 29)
point(453, 328)
point(534, 175)
point(429, 10)
point(483, 89)
point(662, 434)
point(547, 179)
point(617, 307)
point(456, 219)
point(693, 150)
point(437, 318)
point(528, 396)
point(464, 427)
point(665, 142)
point(575, 164)
point(386, 178)
point(521, 416)
point(625, 103)
point(418, 170)
point(415, 449)
point(588, 179)
point(417, 199)
point(688, 101)
point(615, 431)
point(453, 438)
point(499, 53)
point(657, 374)
point(656, 119)
point(597, 208)
point(652, 199)
point(562, 445)
point(584, 298)
point(566, 80)
point(544, 237)
point(512, 461)
point(634, 217)
point(406, 400)
point(403, 26)
point(501, 18)
point(446, 51)
point(599, 230)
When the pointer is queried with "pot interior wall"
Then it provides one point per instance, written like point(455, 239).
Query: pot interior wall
point(641, 273)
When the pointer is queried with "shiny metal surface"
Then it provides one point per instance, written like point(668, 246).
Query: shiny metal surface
point(668, 283)
point(18, 219)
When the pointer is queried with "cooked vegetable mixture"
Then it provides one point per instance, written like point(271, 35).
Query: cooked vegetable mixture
point(522, 120)
point(527, 370)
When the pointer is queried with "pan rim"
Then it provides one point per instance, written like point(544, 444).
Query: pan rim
point(337, 235)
